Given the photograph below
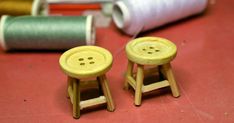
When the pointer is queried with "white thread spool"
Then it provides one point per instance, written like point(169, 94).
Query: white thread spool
point(134, 15)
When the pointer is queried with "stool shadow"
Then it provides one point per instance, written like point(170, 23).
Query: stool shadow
point(87, 93)
point(155, 93)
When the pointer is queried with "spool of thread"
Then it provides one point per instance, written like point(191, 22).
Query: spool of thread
point(23, 7)
point(107, 8)
point(78, 1)
point(50, 33)
point(134, 15)
point(66, 7)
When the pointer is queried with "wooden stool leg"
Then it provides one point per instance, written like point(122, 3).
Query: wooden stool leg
point(107, 94)
point(139, 83)
point(69, 85)
point(76, 99)
point(129, 73)
point(169, 74)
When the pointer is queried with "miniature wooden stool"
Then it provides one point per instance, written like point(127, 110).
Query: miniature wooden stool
point(150, 51)
point(82, 63)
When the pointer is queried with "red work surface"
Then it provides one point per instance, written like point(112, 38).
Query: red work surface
point(33, 88)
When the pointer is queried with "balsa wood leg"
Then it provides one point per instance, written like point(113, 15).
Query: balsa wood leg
point(129, 73)
point(107, 93)
point(169, 74)
point(139, 83)
point(76, 99)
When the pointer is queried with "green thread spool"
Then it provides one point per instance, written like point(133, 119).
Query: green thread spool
point(50, 33)
point(23, 7)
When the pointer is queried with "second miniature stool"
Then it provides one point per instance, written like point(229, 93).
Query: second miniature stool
point(150, 51)
point(84, 63)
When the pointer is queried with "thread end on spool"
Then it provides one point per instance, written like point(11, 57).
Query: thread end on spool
point(40, 7)
point(121, 14)
point(90, 31)
point(2, 38)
